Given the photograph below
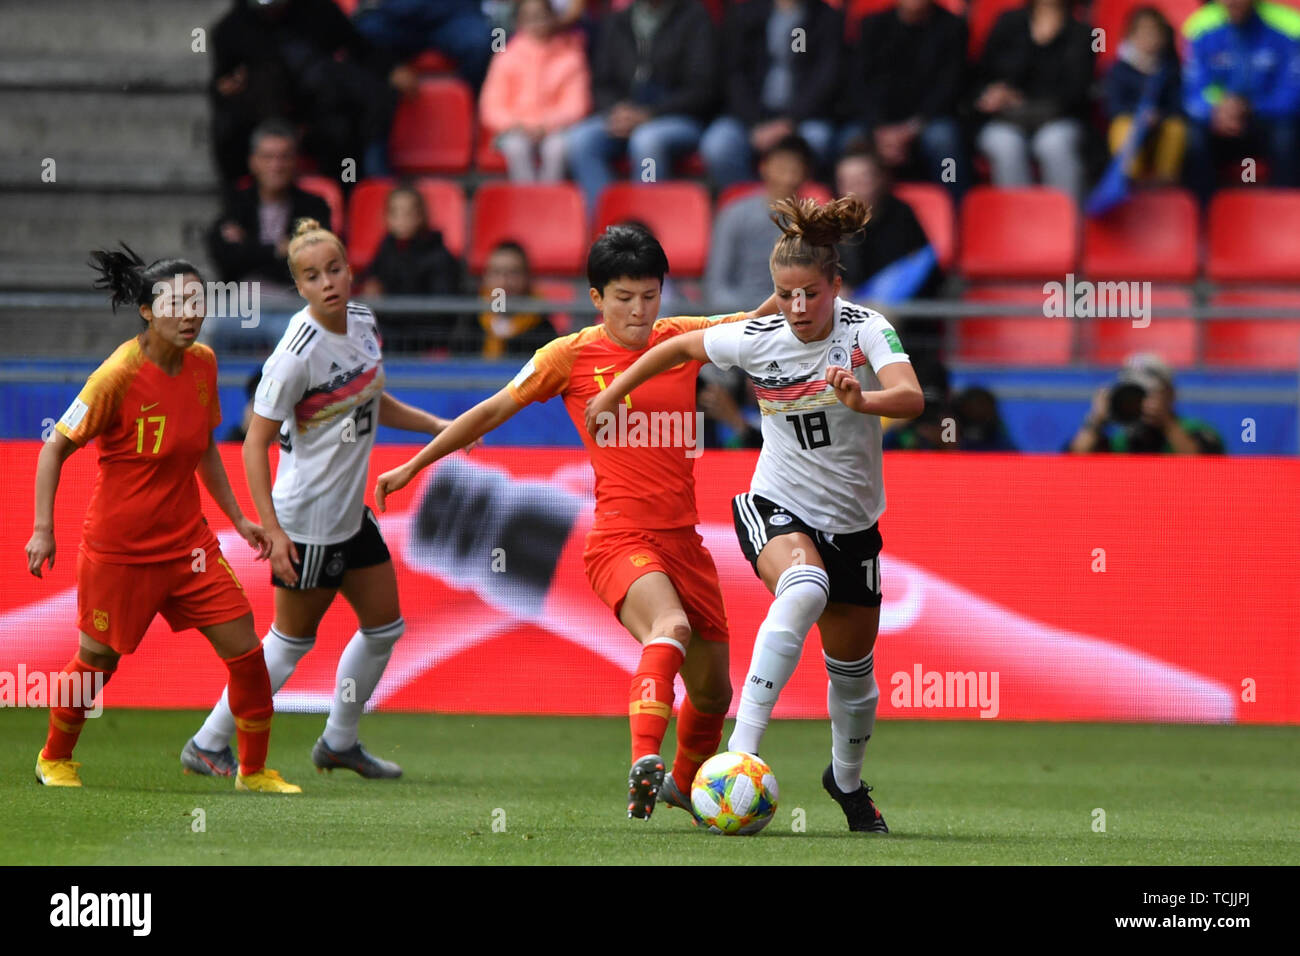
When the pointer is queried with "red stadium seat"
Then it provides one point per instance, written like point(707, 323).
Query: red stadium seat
point(809, 190)
point(1014, 340)
point(486, 157)
point(560, 291)
point(1254, 343)
point(433, 62)
point(546, 219)
point(1173, 338)
point(933, 207)
point(444, 202)
point(331, 192)
point(1029, 233)
point(433, 129)
point(1255, 235)
point(980, 18)
point(677, 213)
point(1152, 237)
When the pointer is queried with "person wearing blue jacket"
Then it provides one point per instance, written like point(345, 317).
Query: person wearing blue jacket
point(1241, 89)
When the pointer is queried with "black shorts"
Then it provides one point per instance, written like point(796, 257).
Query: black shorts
point(852, 560)
point(323, 565)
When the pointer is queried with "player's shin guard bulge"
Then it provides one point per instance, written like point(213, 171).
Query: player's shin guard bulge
point(650, 699)
point(66, 721)
point(801, 595)
point(698, 736)
point(851, 699)
point(250, 701)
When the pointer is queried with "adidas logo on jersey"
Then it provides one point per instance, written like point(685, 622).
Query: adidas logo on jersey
point(335, 367)
point(772, 367)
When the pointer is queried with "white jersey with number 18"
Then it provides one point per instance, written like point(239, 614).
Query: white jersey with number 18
point(820, 459)
point(325, 389)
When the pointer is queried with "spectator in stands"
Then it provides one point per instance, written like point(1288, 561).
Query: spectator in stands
point(1036, 71)
point(1137, 414)
point(905, 75)
point(1241, 89)
point(934, 429)
point(979, 423)
point(536, 88)
point(744, 233)
point(775, 82)
point(730, 409)
point(412, 258)
point(653, 77)
point(250, 240)
point(458, 29)
point(892, 261)
point(1146, 72)
point(495, 333)
point(304, 61)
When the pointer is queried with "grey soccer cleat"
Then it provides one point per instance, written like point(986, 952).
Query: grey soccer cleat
point(643, 783)
point(356, 758)
point(672, 795)
point(211, 763)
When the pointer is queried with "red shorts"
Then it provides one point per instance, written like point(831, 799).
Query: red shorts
point(614, 559)
point(116, 603)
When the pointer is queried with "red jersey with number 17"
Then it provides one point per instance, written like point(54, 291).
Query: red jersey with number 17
point(645, 464)
point(152, 430)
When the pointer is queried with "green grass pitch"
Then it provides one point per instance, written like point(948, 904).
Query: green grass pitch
point(520, 790)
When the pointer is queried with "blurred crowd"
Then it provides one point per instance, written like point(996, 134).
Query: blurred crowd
point(777, 91)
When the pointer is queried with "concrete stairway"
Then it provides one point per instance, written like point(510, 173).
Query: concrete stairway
point(111, 91)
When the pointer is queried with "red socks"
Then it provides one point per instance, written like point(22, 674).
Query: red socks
point(698, 737)
point(66, 722)
point(249, 696)
point(650, 700)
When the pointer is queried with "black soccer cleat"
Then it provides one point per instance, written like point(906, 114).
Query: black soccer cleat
point(858, 806)
point(643, 783)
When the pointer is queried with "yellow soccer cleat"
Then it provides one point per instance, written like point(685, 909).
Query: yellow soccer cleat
point(265, 781)
point(57, 773)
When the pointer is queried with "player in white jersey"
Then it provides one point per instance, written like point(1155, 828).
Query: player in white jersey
point(322, 395)
point(824, 370)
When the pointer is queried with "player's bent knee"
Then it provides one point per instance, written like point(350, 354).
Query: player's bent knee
point(385, 636)
point(675, 627)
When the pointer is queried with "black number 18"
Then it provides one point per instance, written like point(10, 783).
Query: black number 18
point(811, 429)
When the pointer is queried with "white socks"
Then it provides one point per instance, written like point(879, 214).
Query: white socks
point(801, 595)
point(360, 667)
point(851, 698)
point(282, 655)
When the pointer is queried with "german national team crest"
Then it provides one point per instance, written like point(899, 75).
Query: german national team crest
point(335, 567)
point(371, 346)
point(101, 619)
point(838, 355)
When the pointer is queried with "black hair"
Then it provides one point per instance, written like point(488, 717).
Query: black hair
point(510, 245)
point(1146, 11)
point(791, 143)
point(625, 251)
point(273, 127)
point(129, 280)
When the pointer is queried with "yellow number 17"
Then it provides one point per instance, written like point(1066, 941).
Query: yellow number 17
point(600, 380)
point(157, 435)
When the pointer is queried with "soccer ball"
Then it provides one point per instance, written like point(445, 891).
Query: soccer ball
point(735, 794)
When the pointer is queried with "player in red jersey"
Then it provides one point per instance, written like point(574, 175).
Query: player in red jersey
point(146, 548)
point(643, 556)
